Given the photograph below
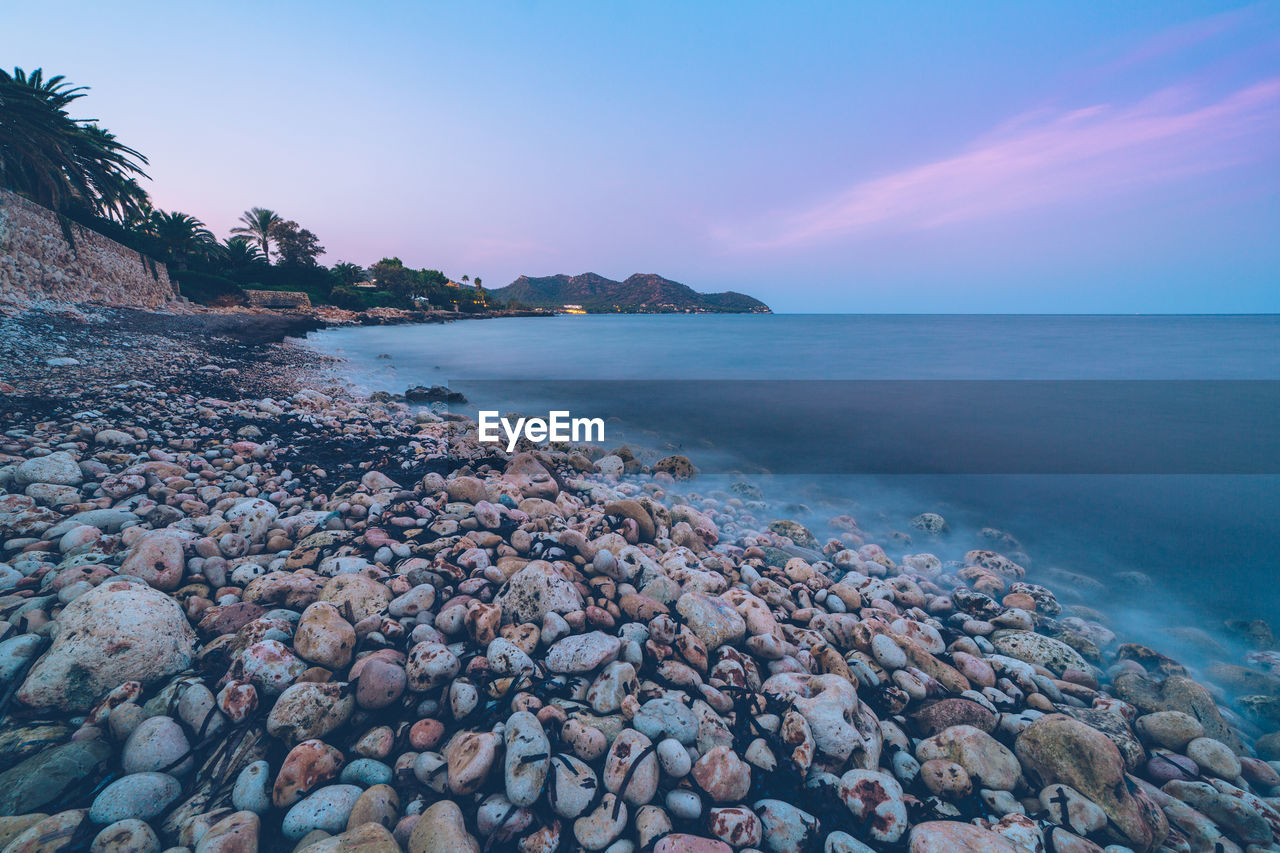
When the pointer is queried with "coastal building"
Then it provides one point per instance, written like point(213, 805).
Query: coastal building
point(572, 309)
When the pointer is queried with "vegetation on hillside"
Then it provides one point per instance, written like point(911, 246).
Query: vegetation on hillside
point(642, 293)
point(80, 170)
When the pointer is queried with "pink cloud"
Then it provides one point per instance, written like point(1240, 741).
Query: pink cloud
point(1044, 158)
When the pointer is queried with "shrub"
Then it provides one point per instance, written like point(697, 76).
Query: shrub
point(362, 299)
point(206, 288)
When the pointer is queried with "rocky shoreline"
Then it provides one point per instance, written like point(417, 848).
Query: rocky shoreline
point(243, 611)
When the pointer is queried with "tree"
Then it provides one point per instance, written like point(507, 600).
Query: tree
point(466, 278)
point(297, 246)
point(60, 162)
point(258, 222)
point(241, 255)
point(350, 274)
point(183, 237)
point(391, 274)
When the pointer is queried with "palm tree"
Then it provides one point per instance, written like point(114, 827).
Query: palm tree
point(349, 273)
point(183, 237)
point(240, 252)
point(258, 222)
point(61, 162)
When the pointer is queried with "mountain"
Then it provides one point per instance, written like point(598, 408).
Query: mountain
point(642, 293)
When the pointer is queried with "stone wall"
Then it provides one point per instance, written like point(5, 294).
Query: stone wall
point(37, 264)
point(278, 299)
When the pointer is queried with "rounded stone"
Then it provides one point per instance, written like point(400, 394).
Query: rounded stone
point(140, 796)
point(327, 809)
point(1214, 757)
point(674, 758)
point(158, 744)
point(126, 836)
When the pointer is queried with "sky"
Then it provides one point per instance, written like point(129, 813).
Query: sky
point(1057, 157)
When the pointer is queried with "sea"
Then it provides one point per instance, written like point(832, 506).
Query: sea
point(1132, 463)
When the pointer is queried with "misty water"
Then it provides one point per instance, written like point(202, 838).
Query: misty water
point(1141, 478)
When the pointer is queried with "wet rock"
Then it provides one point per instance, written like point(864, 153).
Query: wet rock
point(380, 684)
point(51, 835)
point(328, 808)
point(945, 713)
point(1059, 749)
point(159, 559)
point(714, 621)
point(722, 774)
point(631, 768)
point(1214, 758)
point(1177, 693)
point(120, 631)
point(59, 469)
point(1170, 729)
point(582, 652)
point(252, 788)
point(441, 829)
point(876, 800)
point(536, 590)
point(735, 825)
point(307, 710)
point(598, 828)
point(323, 637)
point(987, 760)
point(379, 805)
point(615, 683)
point(680, 842)
point(309, 764)
point(430, 665)
point(158, 744)
point(1235, 816)
point(674, 758)
point(363, 838)
point(139, 796)
point(356, 597)
point(270, 666)
point(470, 756)
point(526, 757)
point(787, 828)
point(946, 779)
point(945, 836)
point(1036, 648)
point(126, 836)
point(45, 777)
point(665, 717)
point(235, 833)
point(571, 785)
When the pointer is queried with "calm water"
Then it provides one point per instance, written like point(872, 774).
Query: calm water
point(1167, 546)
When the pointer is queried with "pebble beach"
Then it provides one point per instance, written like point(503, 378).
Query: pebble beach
point(243, 609)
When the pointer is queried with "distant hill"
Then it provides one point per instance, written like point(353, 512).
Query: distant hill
point(642, 293)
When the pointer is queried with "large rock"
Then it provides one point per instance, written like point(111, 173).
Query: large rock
point(1031, 647)
point(1059, 749)
point(1177, 693)
point(535, 591)
point(442, 829)
point(45, 776)
point(158, 559)
point(950, 836)
point(19, 516)
point(985, 758)
point(119, 631)
point(60, 469)
point(713, 620)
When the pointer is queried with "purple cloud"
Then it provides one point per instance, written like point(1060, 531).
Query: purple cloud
point(1044, 158)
